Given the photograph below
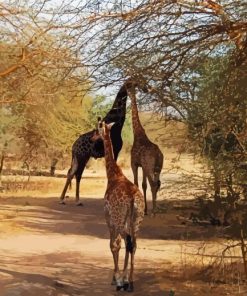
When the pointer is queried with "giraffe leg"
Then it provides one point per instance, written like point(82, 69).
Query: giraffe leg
point(78, 175)
point(154, 190)
point(78, 180)
point(144, 188)
point(126, 261)
point(135, 173)
point(115, 245)
point(107, 218)
point(70, 175)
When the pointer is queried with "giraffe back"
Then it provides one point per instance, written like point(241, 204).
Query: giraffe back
point(124, 206)
point(146, 154)
point(84, 146)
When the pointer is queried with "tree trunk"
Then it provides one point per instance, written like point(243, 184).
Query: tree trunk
point(243, 249)
point(1, 168)
point(28, 168)
point(217, 184)
point(53, 166)
point(1, 163)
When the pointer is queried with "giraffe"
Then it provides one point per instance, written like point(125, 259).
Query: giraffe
point(144, 154)
point(124, 212)
point(85, 146)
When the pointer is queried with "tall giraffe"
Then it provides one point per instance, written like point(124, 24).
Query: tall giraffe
point(144, 154)
point(124, 212)
point(85, 146)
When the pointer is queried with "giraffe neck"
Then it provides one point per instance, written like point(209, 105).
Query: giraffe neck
point(112, 169)
point(121, 97)
point(136, 123)
point(118, 111)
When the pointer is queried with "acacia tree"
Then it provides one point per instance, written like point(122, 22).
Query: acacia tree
point(217, 119)
point(152, 40)
point(42, 79)
point(50, 129)
point(37, 45)
point(156, 41)
point(161, 43)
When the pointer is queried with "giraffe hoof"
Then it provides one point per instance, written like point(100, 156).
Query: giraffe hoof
point(126, 286)
point(130, 287)
point(62, 202)
point(118, 288)
point(79, 204)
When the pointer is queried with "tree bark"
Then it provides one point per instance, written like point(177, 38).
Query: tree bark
point(53, 166)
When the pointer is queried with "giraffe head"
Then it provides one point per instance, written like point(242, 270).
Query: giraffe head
point(135, 82)
point(104, 133)
point(97, 133)
point(104, 129)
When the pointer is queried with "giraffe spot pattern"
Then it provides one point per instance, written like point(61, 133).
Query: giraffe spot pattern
point(118, 206)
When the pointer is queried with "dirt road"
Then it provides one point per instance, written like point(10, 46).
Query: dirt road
point(50, 249)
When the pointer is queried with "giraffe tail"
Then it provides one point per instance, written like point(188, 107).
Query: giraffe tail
point(129, 237)
point(129, 244)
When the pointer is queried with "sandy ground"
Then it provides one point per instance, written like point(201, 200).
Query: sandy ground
point(50, 249)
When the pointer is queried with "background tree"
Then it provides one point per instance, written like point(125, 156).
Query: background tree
point(217, 118)
point(171, 47)
point(42, 79)
point(157, 41)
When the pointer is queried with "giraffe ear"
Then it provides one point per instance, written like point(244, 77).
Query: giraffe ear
point(109, 125)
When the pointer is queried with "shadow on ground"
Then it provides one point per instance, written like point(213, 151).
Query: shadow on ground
point(64, 251)
point(67, 274)
point(70, 274)
point(48, 216)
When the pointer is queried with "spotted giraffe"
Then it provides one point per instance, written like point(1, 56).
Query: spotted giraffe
point(85, 146)
point(124, 211)
point(144, 154)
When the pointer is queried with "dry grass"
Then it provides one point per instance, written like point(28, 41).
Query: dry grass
point(91, 185)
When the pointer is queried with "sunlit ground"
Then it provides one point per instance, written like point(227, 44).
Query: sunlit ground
point(50, 249)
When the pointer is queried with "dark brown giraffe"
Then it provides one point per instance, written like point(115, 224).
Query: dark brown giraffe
point(144, 154)
point(85, 146)
point(124, 211)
